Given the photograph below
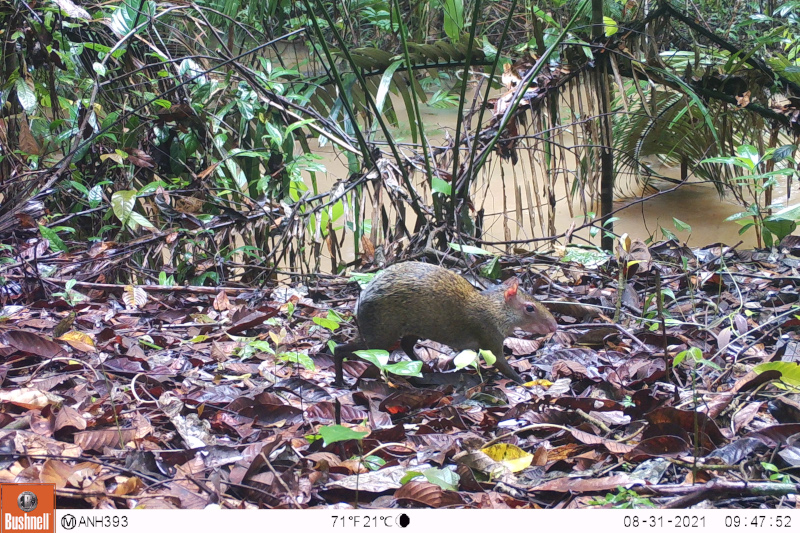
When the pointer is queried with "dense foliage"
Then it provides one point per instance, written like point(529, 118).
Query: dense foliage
point(181, 141)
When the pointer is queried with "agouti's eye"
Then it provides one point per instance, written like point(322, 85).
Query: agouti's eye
point(529, 308)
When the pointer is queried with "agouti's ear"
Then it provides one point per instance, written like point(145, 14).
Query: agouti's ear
point(511, 285)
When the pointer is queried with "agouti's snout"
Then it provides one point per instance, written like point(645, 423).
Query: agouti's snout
point(546, 327)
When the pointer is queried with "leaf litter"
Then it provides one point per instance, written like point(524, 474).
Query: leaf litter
point(148, 398)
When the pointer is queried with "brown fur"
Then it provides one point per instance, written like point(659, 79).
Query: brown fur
point(412, 301)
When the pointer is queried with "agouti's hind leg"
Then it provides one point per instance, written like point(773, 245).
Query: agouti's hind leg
point(407, 343)
point(342, 351)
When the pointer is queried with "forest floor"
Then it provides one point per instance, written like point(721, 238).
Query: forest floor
point(111, 392)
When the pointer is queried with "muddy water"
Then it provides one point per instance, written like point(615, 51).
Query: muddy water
point(696, 204)
point(502, 185)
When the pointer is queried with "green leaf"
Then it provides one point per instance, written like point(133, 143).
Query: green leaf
point(546, 17)
point(275, 134)
point(122, 20)
point(299, 124)
point(405, 368)
point(262, 346)
point(337, 433)
point(379, 358)
point(56, 244)
point(25, 95)
point(739, 216)
point(80, 187)
point(385, 84)
point(682, 226)
point(586, 256)
point(728, 160)
point(750, 152)
point(780, 227)
point(489, 50)
point(746, 226)
point(739, 162)
point(64, 228)
point(769, 467)
point(712, 364)
point(765, 175)
point(373, 462)
point(694, 354)
point(783, 152)
point(139, 219)
point(326, 323)
point(299, 358)
point(95, 196)
point(488, 356)
point(362, 278)
point(97, 47)
point(791, 212)
point(99, 68)
point(122, 204)
point(467, 249)
point(491, 269)
point(408, 476)
point(130, 11)
point(466, 358)
point(610, 26)
point(441, 186)
point(443, 477)
point(790, 372)
point(453, 18)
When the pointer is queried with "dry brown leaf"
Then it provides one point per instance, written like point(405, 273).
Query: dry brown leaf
point(744, 100)
point(69, 417)
point(29, 398)
point(97, 440)
point(221, 302)
point(27, 143)
point(130, 486)
point(84, 476)
point(428, 494)
point(578, 485)
point(540, 456)
point(134, 297)
point(80, 341)
point(32, 343)
point(55, 472)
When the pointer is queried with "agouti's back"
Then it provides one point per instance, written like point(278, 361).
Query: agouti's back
point(421, 301)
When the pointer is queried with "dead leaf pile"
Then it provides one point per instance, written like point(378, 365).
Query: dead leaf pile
point(137, 397)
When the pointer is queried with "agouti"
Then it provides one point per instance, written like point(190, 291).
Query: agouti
point(412, 301)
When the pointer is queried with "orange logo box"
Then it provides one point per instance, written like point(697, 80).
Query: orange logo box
point(27, 507)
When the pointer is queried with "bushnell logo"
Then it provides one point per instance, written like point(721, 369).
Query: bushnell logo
point(27, 501)
point(27, 507)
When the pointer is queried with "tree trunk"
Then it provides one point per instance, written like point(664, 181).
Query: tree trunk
point(606, 155)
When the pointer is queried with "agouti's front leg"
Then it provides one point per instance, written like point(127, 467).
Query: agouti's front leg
point(502, 365)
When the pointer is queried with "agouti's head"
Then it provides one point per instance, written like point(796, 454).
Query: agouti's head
point(532, 316)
